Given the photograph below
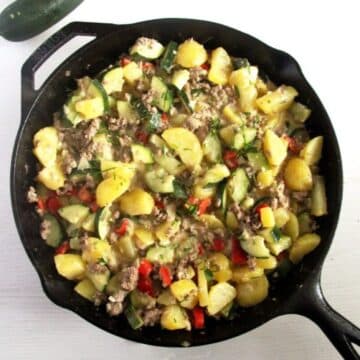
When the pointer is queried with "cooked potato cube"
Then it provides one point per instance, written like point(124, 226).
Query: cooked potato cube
point(96, 250)
point(143, 238)
point(186, 292)
point(165, 231)
point(252, 292)
point(174, 318)
point(110, 189)
point(191, 54)
point(269, 263)
point(127, 247)
point(46, 142)
point(132, 72)
point(311, 152)
point(189, 148)
point(111, 169)
point(291, 228)
point(137, 202)
point(90, 108)
point(201, 191)
point(52, 177)
point(303, 246)
point(158, 180)
point(278, 100)
point(267, 217)
point(247, 98)
point(297, 175)
point(274, 148)
point(299, 112)
point(264, 178)
point(220, 295)
point(228, 133)
point(244, 273)
point(221, 67)
point(318, 197)
point(70, 266)
point(232, 113)
point(244, 77)
point(86, 289)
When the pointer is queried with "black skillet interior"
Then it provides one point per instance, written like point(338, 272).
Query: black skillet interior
point(299, 293)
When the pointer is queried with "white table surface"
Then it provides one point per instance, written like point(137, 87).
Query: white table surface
point(323, 37)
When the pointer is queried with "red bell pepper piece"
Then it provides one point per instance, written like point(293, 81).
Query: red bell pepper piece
point(238, 255)
point(192, 200)
point(94, 206)
point(63, 248)
point(145, 268)
point(124, 61)
point(293, 144)
point(41, 204)
point(218, 244)
point(145, 285)
point(200, 249)
point(121, 230)
point(165, 276)
point(142, 136)
point(159, 204)
point(53, 204)
point(147, 65)
point(198, 317)
point(231, 159)
point(205, 66)
point(164, 118)
point(261, 206)
point(204, 205)
point(85, 195)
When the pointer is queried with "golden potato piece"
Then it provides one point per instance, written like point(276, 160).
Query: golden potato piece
point(137, 202)
point(186, 292)
point(174, 318)
point(221, 67)
point(274, 148)
point(52, 177)
point(303, 245)
point(70, 266)
point(252, 292)
point(191, 54)
point(110, 189)
point(185, 144)
point(220, 295)
point(297, 175)
point(311, 152)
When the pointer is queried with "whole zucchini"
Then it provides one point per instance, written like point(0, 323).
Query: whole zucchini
point(24, 19)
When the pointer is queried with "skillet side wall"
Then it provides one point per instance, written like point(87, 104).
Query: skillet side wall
point(280, 67)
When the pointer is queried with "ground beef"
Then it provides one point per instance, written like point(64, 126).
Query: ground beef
point(99, 297)
point(238, 212)
point(31, 195)
point(96, 268)
point(116, 124)
point(92, 129)
point(300, 196)
point(89, 181)
point(222, 95)
point(197, 75)
point(251, 262)
point(202, 132)
point(281, 194)
point(151, 317)
point(114, 305)
point(68, 161)
point(160, 215)
point(124, 154)
point(129, 278)
point(45, 229)
point(148, 99)
point(68, 187)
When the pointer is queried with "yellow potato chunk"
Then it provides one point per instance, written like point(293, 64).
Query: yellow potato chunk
point(244, 273)
point(52, 177)
point(291, 228)
point(70, 266)
point(132, 72)
point(297, 175)
point(191, 54)
point(220, 295)
point(137, 202)
point(282, 216)
point(143, 238)
point(266, 263)
point(221, 67)
point(185, 144)
point(244, 77)
point(96, 250)
point(267, 217)
point(86, 289)
point(110, 189)
point(174, 318)
point(186, 292)
point(264, 178)
point(252, 292)
point(110, 169)
point(46, 142)
point(165, 231)
point(202, 285)
point(311, 152)
point(274, 148)
point(303, 246)
point(232, 113)
point(90, 108)
point(278, 100)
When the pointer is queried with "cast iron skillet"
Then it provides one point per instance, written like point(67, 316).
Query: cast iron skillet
point(300, 293)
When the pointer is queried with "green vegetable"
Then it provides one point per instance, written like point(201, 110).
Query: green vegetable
point(103, 221)
point(54, 235)
point(167, 60)
point(74, 214)
point(179, 190)
point(24, 19)
point(276, 234)
point(163, 97)
point(153, 119)
point(238, 185)
point(240, 63)
point(255, 246)
point(133, 317)
point(141, 154)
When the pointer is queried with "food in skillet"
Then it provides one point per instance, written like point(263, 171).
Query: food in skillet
point(176, 183)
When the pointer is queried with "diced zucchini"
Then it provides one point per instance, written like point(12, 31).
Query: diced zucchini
point(74, 214)
point(125, 110)
point(231, 221)
point(220, 295)
point(104, 148)
point(237, 185)
point(276, 245)
point(163, 97)
point(299, 112)
point(134, 319)
point(103, 222)
point(158, 180)
point(252, 292)
point(216, 174)
point(141, 154)
point(70, 266)
point(282, 216)
point(211, 147)
point(318, 197)
point(69, 110)
point(160, 254)
point(165, 231)
point(211, 221)
point(249, 134)
point(54, 235)
point(147, 48)
point(99, 279)
point(166, 298)
point(291, 228)
point(132, 72)
point(228, 133)
point(86, 289)
point(127, 247)
point(140, 300)
point(305, 223)
point(180, 78)
point(97, 250)
point(89, 223)
point(257, 160)
point(113, 80)
point(75, 243)
point(169, 163)
point(167, 60)
point(114, 284)
point(255, 246)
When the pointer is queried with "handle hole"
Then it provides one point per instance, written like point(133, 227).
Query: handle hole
point(43, 72)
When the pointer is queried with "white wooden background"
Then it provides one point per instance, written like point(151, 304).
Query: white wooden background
point(323, 37)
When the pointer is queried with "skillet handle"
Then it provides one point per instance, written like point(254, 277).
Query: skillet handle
point(340, 331)
point(46, 49)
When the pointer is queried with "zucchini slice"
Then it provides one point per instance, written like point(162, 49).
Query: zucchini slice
point(168, 58)
point(238, 185)
point(141, 154)
point(113, 80)
point(103, 222)
point(255, 246)
point(74, 214)
point(147, 48)
point(162, 95)
point(55, 234)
